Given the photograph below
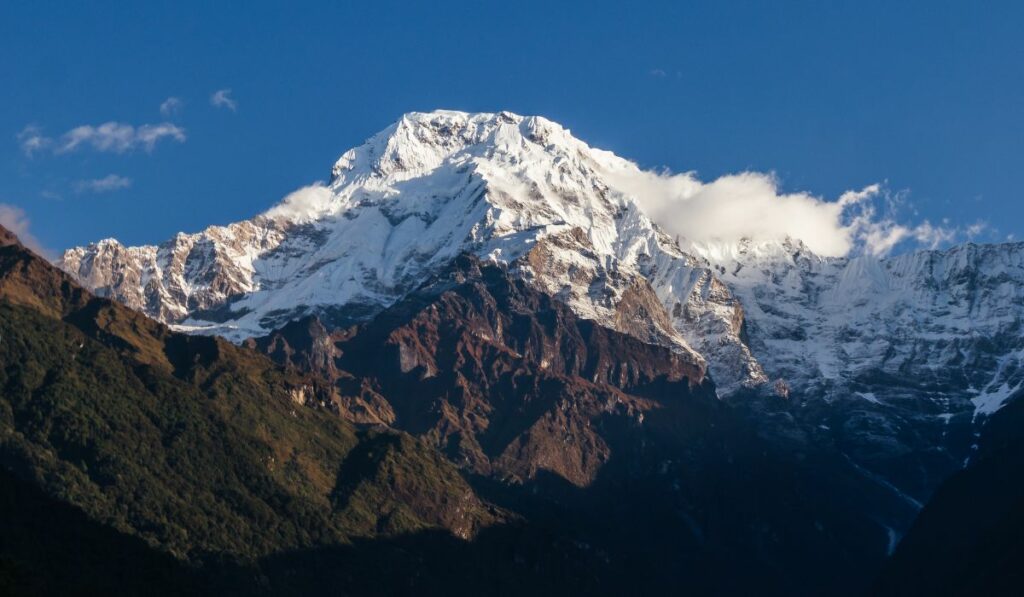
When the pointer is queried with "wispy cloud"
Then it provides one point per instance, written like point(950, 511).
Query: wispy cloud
point(171, 107)
point(876, 232)
point(111, 137)
point(32, 140)
point(976, 229)
point(657, 72)
point(222, 99)
point(111, 182)
point(119, 137)
point(14, 219)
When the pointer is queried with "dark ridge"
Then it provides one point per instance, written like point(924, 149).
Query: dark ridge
point(969, 539)
point(48, 547)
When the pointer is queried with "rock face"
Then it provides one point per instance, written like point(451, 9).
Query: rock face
point(7, 238)
point(504, 379)
point(191, 273)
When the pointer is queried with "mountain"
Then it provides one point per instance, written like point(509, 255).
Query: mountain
point(584, 454)
point(517, 191)
point(490, 286)
point(895, 357)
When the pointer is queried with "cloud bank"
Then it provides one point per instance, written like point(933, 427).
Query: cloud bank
point(110, 137)
point(749, 205)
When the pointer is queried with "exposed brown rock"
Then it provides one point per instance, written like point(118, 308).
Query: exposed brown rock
point(8, 238)
point(507, 380)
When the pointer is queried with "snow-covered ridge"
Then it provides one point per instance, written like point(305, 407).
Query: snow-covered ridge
point(517, 190)
point(523, 191)
point(896, 362)
point(937, 317)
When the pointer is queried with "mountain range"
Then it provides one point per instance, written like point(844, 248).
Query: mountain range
point(474, 335)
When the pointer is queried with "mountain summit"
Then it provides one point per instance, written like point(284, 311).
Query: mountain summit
point(518, 191)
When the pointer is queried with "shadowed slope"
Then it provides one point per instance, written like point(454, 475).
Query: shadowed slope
point(969, 539)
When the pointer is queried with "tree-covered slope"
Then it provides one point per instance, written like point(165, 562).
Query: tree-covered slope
point(192, 444)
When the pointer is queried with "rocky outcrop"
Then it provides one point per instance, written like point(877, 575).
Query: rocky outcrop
point(500, 376)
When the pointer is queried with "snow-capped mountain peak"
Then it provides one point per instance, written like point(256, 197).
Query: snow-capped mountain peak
point(524, 192)
point(515, 190)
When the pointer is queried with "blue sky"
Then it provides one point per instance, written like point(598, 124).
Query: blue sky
point(926, 98)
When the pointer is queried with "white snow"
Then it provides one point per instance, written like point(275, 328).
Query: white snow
point(998, 391)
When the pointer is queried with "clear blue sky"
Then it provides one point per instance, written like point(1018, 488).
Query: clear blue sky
point(925, 96)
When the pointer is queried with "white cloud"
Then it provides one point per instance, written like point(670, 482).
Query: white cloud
point(932, 236)
point(32, 140)
point(171, 106)
point(14, 219)
point(302, 205)
point(750, 205)
point(111, 182)
point(116, 137)
point(976, 229)
point(119, 137)
point(745, 205)
point(878, 235)
point(222, 99)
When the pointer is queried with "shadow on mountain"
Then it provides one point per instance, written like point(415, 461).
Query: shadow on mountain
point(969, 539)
point(48, 547)
point(504, 560)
